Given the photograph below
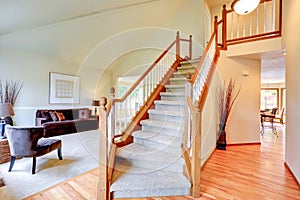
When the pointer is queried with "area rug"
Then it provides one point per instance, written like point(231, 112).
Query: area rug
point(80, 154)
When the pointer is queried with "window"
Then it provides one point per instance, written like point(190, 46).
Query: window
point(268, 99)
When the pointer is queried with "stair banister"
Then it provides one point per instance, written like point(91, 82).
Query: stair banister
point(196, 91)
point(108, 113)
point(148, 81)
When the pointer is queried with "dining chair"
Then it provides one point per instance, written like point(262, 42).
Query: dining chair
point(279, 117)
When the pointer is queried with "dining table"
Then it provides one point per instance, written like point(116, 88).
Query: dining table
point(267, 117)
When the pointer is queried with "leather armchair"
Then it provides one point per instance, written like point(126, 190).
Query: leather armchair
point(28, 142)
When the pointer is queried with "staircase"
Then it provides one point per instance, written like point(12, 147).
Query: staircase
point(153, 165)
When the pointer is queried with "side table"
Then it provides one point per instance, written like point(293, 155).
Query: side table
point(4, 151)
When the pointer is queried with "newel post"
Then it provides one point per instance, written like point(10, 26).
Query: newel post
point(217, 35)
point(103, 186)
point(177, 46)
point(224, 27)
point(196, 150)
point(190, 47)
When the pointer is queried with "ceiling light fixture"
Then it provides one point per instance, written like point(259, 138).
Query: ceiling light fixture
point(244, 7)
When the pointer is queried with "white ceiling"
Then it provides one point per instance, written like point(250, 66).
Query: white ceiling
point(19, 15)
point(214, 3)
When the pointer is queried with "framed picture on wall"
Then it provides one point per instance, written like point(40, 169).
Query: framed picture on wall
point(63, 88)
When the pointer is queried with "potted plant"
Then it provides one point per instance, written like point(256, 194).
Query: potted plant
point(227, 95)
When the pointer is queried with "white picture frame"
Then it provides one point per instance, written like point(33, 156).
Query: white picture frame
point(63, 88)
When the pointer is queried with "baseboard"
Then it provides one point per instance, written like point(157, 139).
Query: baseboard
point(293, 175)
point(208, 158)
point(242, 144)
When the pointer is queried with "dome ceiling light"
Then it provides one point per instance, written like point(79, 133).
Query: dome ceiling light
point(244, 7)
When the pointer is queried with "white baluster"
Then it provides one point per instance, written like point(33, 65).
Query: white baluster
point(250, 29)
point(232, 14)
point(244, 31)
point(257, 25)
point(155, 75)
point(265, 16)
point(238, 27)
point(273, 15)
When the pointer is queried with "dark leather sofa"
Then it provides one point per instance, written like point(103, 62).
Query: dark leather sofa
point(67, 121)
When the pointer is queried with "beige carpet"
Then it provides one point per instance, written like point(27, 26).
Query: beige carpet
point(80, 153)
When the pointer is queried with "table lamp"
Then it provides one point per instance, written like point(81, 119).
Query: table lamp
point(96, 103)
point(6, 110)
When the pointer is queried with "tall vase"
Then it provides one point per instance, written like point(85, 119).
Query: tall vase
point(221, 142)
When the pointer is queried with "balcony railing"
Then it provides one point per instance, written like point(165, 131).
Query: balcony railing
point(263, 23)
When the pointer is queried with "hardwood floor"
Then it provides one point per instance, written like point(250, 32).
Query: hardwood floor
point(240, 172)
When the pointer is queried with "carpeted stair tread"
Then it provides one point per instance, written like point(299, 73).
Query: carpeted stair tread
point(193, 61)
point(156, 183)
point(175, 86)
point(163, 124)
point(137, 155)
point(172, 141)
point(181, 74)
point(142, 152)
point(187, 67)
point(169, 102)
point(172, 94)
point(149, 165)
point(178, 79)
point(167, 113)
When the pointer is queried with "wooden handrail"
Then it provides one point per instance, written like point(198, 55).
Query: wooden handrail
point(207, 84)
point(145, 74)
point(197, 70)
point(254, 36)
point(190, 103)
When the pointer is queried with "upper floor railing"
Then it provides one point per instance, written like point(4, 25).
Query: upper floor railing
point(263, 23)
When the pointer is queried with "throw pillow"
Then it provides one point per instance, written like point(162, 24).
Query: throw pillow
point(46, 115)
point(53, 115)
point(83, 114)
point(60, 116)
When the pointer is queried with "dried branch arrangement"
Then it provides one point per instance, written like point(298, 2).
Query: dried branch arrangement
point(9, 91)
point(227, 95)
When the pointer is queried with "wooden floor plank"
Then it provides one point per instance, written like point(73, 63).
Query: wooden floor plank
point(241, 172)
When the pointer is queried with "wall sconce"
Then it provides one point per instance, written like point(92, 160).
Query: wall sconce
point(244, 7)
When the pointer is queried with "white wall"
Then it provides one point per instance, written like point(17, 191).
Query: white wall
point(292, 86)
point(244, 120)
point(33, 70)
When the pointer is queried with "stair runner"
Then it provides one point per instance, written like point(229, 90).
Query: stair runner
point(153, 165)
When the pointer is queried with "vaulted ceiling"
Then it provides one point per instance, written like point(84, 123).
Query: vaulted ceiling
point(18, 16)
